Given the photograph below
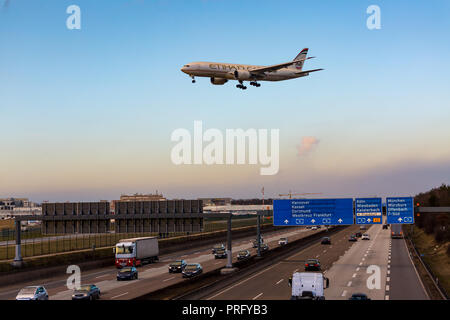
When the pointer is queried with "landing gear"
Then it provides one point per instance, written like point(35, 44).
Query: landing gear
point(193, 79)
point(241, 86)
point(255, 84)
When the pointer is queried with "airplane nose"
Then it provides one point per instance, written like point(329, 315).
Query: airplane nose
point(184, 69)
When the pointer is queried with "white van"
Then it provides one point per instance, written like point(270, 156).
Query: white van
point(308, 285)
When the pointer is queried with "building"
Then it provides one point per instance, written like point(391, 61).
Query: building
point(9, 204)
point(215, 201)
point(138, 197)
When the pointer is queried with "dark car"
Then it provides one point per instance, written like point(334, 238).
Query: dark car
point(177, 266)
point(352, 238)
point(127, 273)
point(312, 265)
point(358, 234)
point(244, 254)
point(220, 246)
point(86, 292)
point(325, 240)
point(385, 226)
point(359, 296)
point(264, 247)
point(192, 270)
point(220, 254)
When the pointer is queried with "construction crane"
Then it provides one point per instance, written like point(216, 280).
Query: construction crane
point(290, 194)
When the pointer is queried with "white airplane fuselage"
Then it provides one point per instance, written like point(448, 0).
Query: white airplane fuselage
point(220, 70)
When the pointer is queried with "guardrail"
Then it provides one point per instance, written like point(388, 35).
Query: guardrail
point(430, 273)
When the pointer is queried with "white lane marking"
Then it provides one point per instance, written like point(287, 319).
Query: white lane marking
point(349, 284)
point(259, 295)
point(389, 272)
point(354, 275)
point(363, 259)
point(344, 293)
point(295, 270)
point(168, 279)
point(218, 262)
point(357, 269)
point(279, 281)
point(102, 276)
point(243, 281)
point(360, 263)
point(386, 298)
point(119, 295)
point(388, 279)
point(324, 251)
point(387, 287)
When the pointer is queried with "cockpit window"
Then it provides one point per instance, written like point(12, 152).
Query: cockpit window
point(187, 66)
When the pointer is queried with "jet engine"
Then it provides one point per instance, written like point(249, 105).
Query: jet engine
point(242, 75)
point(218, 81)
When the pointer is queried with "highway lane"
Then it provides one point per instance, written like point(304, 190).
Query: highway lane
point(271, 283)
point(152, 276)
point(350, 274)
point(405, 283)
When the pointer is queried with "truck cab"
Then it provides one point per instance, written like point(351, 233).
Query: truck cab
point(308, 285)
point(125, 254)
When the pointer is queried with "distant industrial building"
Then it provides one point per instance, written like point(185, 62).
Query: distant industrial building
point(215, 201)
point(137, 197)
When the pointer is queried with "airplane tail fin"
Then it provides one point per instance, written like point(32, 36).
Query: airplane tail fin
point(301, 57)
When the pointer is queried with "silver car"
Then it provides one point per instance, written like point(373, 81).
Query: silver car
point(32, 293)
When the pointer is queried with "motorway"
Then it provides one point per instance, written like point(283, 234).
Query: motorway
point(151, 277)
point(345, 264)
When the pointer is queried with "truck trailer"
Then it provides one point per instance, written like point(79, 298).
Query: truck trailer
point(396, 231)
point(136, 251)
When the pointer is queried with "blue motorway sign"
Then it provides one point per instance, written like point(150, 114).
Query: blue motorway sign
point(368, 211)
point(400, 210)
point(310, 212)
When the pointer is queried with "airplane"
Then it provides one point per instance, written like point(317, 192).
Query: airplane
point(220, 73)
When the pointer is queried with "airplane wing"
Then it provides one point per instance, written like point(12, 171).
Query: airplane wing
point(276, 66)
point(307, 71)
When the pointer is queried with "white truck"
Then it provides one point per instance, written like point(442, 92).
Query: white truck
point(308, 285)
point(136, 251)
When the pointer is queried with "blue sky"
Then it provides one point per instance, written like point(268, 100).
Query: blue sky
point(87, 114)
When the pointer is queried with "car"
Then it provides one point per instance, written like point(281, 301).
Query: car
point(192, 270)
point(283, 241)
point(359, 296)
point(362, 228)
point(177, 266)
point(312, 265)
point(325, 240)
point(220, 254)
point(365, 236)
point(314, 228)
point(86, 292)
point(243, 254)
point(385, 226)
point(32, 293)
point(264, 247)
point(352, 238)
point(127, 273)
point(255, 242)
point(220, 246)
point(358, 234)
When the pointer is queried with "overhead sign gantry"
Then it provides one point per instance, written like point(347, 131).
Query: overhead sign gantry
point(310, 212)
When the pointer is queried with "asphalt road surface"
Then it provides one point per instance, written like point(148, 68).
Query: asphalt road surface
point(348, 265)
point(151, 277)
